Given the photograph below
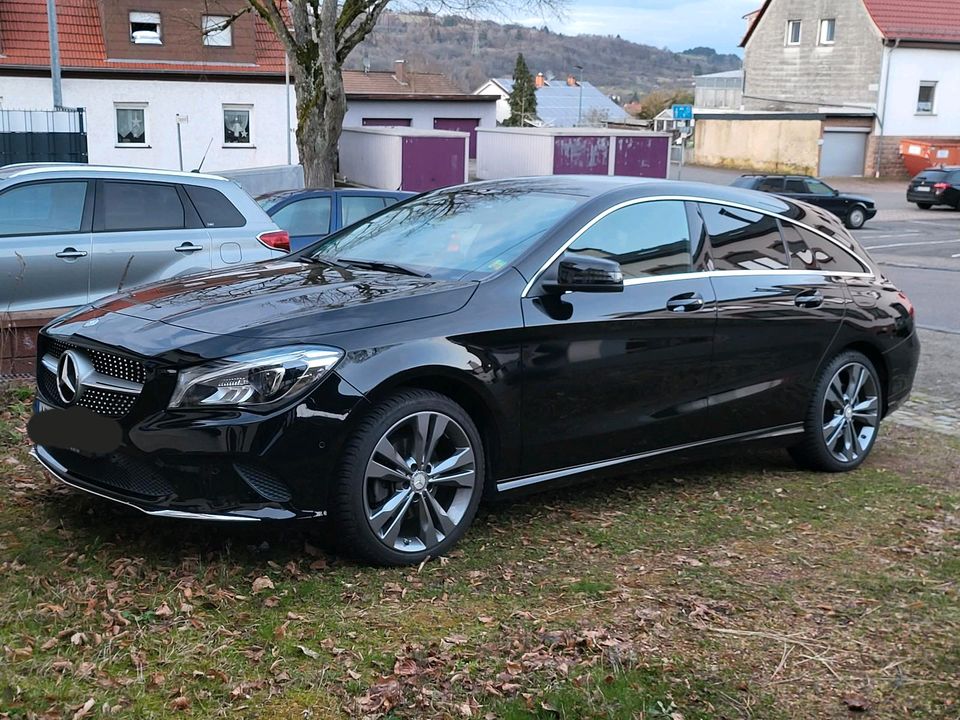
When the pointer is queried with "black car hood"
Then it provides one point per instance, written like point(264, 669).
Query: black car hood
point(857, 198)
point(284, 300)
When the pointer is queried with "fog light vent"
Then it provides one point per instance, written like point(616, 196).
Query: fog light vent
point(266, 485)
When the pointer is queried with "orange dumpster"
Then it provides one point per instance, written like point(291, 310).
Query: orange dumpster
point(918, 155)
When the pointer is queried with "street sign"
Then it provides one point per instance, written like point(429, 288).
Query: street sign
point(683, 112)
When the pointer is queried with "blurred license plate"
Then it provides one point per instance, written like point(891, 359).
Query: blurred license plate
point(923, 189)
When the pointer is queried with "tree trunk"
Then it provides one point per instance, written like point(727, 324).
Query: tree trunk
point(321, 106)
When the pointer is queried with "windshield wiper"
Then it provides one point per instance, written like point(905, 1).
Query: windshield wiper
point(380, 265)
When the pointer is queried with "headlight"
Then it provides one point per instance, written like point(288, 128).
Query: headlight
point(257, 380)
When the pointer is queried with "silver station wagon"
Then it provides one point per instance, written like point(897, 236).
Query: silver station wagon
point(71, 234)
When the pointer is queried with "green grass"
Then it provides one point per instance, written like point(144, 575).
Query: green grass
point(734, 588)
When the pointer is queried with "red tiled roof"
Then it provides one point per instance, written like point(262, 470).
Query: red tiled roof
point(925, 20)
point(933, 20)
point(24, 42)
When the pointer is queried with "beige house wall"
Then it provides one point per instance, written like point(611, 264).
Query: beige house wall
point(780, 146)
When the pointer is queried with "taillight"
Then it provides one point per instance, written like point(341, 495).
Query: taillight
point(940, 187)
point(276, 240)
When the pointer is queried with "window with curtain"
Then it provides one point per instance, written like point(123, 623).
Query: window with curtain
point(131, 126)
point(236, 126)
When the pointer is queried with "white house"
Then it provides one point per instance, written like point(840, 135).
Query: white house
point(143, 75)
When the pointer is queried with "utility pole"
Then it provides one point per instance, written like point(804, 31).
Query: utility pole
point(580, 110)
point(54, 53)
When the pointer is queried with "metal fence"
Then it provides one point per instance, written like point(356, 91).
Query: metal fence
point(43, 136)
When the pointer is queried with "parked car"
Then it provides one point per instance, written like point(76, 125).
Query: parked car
point(478, 340)
point(936, 186)
point(70, 234)
point(309, 215)
point(853, 210)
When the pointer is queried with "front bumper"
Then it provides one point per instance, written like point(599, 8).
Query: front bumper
point(223, 465)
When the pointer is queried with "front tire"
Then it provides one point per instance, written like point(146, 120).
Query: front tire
point(410, 480)
point(843, 416)
point(856, 217)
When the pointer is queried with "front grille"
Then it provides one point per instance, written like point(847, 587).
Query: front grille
point(118, 471)
point(110, 403)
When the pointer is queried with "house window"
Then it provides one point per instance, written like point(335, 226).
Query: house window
point(236, 125)
point(217, 31)
point(145, 28)
point(925, 98)
point(828, 31)
point(131, 124)
point(793, 32)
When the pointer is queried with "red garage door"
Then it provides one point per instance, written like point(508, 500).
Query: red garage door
point(467, 125)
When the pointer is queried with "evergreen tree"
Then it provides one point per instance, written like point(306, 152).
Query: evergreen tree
point(523, 99)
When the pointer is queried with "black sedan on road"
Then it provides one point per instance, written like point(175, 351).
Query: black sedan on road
point(477, 341)
point(936, 186)
point(853, 210)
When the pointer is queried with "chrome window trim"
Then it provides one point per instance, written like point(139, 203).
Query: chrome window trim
point(527, 480)
point(711, 201)
point(739, 273)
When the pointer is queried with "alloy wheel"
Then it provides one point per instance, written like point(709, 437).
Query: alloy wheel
point(851, 412)
point(419, 482)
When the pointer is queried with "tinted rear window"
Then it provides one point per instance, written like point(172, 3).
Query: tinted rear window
point(934, 175)
point(810, 251)
point(743, 240)
point(140, 206)
point(215, 210)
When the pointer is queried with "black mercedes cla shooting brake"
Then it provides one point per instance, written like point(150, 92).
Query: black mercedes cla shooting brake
point(472, 342)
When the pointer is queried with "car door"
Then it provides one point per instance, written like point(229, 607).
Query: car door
point(306, 219)
point(616, 374)
point(221, 221)
point(354, 208)
point(775, 321)
point(45, 244)
point(143, 232)
point(822, 195)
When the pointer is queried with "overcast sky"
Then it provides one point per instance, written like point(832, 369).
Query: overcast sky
point(676, 24)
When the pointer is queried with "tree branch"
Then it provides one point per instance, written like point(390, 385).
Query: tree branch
point(268, 10)
point(346, 42)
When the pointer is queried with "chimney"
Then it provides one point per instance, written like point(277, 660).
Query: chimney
point(400, 71)
point(571, 81)
point(539, 81)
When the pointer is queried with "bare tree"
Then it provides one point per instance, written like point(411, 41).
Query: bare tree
point(318, 36)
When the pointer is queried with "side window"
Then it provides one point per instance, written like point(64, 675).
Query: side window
point(771, 184)
point(215, 210)
point(647, 239)
point(140, 206)
point(43, 208)
point(809, 251)
point(795, 185)
point(742, 239)
point(310, 216)
point(356, 207)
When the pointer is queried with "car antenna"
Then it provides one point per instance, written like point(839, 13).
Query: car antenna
point(204, 156)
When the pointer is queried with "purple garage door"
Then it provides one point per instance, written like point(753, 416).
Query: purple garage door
point(467, 125)
point(642, 157)
point(386, 122)
point(581, 155)
point(432, 162)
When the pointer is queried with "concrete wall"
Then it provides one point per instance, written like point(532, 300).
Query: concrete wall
point(782, 77)
point(791, 146)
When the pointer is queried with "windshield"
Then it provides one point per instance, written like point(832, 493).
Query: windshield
point(452, 233)
point(268, 201)
point(818, 187)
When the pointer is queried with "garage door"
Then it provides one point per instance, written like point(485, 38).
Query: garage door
point(843, 153)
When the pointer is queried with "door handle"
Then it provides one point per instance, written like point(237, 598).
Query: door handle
point(809, 299)
point(188, 248)
point(71, 253)
point(688, 302)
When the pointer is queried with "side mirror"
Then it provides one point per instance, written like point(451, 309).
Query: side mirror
point(584, 273)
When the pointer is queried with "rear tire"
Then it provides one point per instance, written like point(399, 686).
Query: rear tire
point(856, 217)
point(924, 206)
point(410, 480)
point(843, 416)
